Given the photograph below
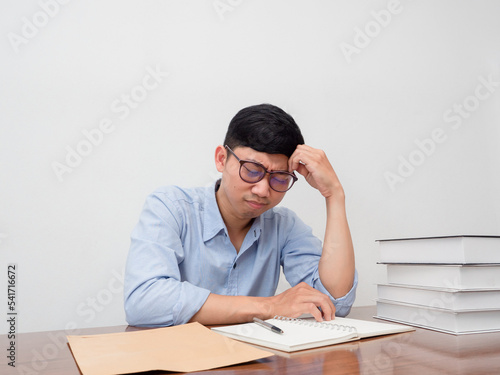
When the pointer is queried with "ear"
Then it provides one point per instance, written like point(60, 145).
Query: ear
point(220, 158)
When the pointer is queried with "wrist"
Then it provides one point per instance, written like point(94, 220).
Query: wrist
point(335, 192)
point(336, 200)
point(256, 307)
point(265, 307)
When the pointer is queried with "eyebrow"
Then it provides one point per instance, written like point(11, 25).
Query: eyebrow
point(266, 168)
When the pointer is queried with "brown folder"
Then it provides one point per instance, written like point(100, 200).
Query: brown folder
point(183, 348)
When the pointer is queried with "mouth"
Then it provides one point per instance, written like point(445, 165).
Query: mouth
point(256, 205)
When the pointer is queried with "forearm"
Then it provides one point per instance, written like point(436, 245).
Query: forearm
point(337, 266)
point(219, 309)
point(293, 302)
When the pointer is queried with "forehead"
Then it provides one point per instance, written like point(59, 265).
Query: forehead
point(272, 162)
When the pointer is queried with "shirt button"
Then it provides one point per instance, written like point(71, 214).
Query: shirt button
point(234, 265)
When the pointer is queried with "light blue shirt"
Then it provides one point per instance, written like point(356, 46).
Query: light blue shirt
point(180, 253)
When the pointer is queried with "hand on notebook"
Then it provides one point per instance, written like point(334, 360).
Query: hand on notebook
point(303, 299)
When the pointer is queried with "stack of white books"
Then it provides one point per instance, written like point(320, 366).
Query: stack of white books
point(449, 284)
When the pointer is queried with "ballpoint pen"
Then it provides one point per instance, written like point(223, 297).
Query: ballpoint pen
point(268, 326)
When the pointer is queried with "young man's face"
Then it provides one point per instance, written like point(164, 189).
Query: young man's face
point(241, 199)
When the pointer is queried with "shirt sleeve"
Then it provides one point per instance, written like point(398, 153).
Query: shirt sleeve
point(154, 294)
point(300, 257)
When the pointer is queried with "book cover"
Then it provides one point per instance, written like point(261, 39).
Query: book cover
point(445, 298)
point(465, 249)
point(445, 276)
point(444, 320)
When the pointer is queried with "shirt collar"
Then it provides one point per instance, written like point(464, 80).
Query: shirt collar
point(212, 220)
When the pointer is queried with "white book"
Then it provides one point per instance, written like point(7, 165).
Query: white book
point(300, 334)
point(444, 298)
point(443, 250)
point(444, 320)
point(445, 276)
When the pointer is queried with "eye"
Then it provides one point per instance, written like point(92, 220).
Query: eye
point(281, 179)
point(252, 171)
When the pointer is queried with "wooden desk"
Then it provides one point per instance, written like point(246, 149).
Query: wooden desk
point(420, 352)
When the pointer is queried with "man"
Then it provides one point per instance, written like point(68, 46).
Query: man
point(213, 255)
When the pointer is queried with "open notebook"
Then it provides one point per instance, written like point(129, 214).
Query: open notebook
point(300, 334)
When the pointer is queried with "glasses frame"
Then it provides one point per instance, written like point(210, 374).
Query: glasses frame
point(242, 162)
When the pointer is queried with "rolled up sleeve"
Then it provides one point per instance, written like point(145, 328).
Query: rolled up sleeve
point(342, 304)
point(154, 294)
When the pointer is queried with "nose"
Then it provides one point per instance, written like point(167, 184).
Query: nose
point(262, 188)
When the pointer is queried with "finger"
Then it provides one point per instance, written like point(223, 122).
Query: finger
point(294, 162)
point(323, 303)
point(326, 307)
point(315, 312)
point(308, 157)
point(299, 161)
point(328, 310)
point(302, 170)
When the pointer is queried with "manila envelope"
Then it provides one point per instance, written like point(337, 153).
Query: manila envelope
point(184, 348)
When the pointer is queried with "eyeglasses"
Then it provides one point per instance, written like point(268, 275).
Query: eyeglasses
point(253, 172)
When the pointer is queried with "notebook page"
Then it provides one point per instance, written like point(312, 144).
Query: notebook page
point(298, 334)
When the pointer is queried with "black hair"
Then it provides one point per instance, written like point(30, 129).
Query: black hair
point(264, 128)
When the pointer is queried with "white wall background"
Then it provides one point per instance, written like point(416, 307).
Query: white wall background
point(67, 67)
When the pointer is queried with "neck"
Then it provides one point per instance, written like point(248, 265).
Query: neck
point(234, 224)
point(237, 228)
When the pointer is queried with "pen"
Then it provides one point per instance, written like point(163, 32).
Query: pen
point(267, 325)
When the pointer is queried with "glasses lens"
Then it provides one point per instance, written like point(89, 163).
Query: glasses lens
point(280, 181)
point(251, 172)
